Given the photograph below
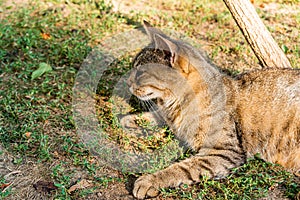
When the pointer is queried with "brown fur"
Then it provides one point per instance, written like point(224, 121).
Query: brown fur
point(225, 119)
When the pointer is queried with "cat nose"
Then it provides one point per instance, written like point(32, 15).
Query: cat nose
point(130, 84)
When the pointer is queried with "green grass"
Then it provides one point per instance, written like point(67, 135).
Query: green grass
point(36, 119)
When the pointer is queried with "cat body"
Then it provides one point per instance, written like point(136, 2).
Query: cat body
point(224, 119)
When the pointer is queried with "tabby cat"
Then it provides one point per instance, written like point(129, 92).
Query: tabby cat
point(225, 120)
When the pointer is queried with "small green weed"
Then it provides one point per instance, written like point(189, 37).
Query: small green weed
point(5, 188)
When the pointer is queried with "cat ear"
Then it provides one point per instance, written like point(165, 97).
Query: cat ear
point(168, 45)
point(151, 31)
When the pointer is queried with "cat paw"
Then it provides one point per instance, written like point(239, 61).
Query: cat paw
point(144, 187)
point(128, 121)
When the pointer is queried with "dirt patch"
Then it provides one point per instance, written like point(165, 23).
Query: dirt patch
point(11, 6)
point(32, 180)
point(22, 177)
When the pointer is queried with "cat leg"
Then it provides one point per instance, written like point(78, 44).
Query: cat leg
point(216, 164)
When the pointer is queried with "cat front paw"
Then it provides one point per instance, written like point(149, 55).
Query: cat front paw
point(128, 121)
point(145, 186)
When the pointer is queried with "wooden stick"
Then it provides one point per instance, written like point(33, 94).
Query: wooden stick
point(261, 41)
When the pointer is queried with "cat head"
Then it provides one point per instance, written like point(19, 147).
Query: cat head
point(160, 68)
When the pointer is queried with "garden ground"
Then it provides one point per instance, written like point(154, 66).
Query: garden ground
point(42, 47)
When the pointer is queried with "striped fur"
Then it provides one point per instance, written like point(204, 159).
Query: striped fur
point(225, 120)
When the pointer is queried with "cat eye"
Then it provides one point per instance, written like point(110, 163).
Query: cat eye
point(138, 74)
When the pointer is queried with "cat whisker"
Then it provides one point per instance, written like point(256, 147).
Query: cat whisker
point(156, 112)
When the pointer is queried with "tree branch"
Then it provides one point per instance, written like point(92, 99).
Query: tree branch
point(261, 41)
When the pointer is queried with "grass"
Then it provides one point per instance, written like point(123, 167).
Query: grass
point(250, 181)
point(36, 119)
point(6, 189)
